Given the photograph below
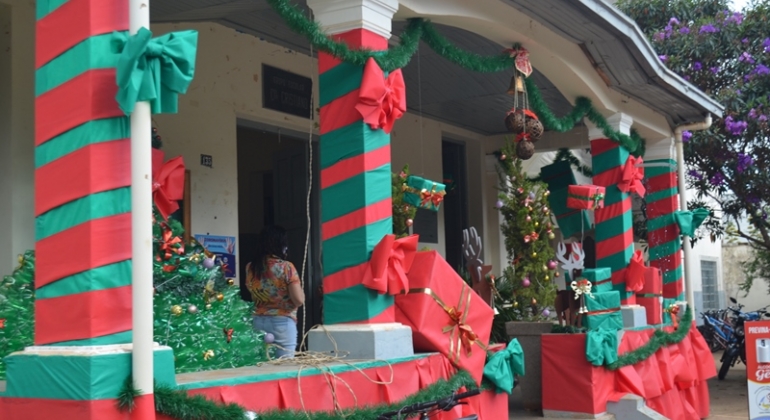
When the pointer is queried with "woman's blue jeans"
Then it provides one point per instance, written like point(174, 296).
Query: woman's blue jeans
point(283, 328)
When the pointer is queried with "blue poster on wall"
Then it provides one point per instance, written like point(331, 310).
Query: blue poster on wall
point(223, 247)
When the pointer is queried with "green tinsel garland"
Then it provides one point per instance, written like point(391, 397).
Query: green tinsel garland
point(566, 155)
point(179, 405)
point(634, 143)
point(421, 29)
point(659, 339)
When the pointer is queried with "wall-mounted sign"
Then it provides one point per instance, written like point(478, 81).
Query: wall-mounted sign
point(758, 368)
point(224, 249)
point(207, 161)
point(286, 92)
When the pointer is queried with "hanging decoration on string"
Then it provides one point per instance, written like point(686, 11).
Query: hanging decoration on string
point(520, 120)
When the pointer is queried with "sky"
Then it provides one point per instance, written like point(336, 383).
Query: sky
point(739, 4)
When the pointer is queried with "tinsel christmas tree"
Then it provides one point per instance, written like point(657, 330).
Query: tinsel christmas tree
point(403, 212)
point(198, 312)
point(17, 309)
point(527, 283)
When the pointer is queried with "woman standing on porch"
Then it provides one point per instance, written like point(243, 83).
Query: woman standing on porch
point(275, 289)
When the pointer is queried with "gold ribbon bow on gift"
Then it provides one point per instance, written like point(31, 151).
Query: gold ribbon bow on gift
point(391, 260)
point(431, 197)
point(461, 335)
point(633, 174)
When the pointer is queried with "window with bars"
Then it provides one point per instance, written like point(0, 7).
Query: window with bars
point(708, 274)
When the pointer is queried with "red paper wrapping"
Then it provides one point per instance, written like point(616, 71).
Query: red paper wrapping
point(651, 294)
point(564, 362)
point(445, 314)
point(589, 197)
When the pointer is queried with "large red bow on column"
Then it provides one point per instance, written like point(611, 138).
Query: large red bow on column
point(167, 183)
point(381, 100)
point(391, 260)
point(633, 174)
point(635, 273)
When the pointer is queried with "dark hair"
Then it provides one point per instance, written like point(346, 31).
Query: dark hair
point(272, 240)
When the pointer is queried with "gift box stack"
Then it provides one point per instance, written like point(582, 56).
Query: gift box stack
point(651, 295)
point(559, 177)
point(445, 314)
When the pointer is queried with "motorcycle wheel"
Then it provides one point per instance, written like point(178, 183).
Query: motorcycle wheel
point(727, 361)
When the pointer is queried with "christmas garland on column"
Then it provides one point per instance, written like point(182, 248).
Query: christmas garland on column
point(420, 29)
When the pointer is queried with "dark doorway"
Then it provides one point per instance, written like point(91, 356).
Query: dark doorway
point(272, 189)
point(456, 200)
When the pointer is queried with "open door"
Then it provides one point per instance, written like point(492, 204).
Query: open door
point(290, 181)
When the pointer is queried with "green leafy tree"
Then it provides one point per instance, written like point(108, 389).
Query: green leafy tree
point(403, 212)
point(527, 289)
point(726, 54)
point(17, 309)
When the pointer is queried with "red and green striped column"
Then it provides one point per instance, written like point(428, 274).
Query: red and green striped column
point(662, 231)
point(356, 210)
point(83, 219)
point(613, 222)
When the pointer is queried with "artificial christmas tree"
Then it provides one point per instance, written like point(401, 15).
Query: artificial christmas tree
point(17, 308)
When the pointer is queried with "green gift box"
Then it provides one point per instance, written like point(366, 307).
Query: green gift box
point(600, 278)
point(424, 193)
point(559, 177)
point(603, 311)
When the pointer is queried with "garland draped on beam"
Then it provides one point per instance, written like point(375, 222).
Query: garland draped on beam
point(417, 29)
point(176, 403)
point(566, 154)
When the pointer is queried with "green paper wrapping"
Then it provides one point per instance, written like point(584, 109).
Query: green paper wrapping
point(602, 347)
point(424, 193)
point(603, 311)
point(559, 176)
point(600, 278)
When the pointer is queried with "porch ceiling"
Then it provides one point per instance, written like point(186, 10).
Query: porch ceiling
point(436, 88)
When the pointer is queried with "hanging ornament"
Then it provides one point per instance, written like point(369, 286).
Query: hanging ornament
point(552, 265)
point(499, 204)
point(535, 235)
point(556, 274)
point(526, 282)
point(527, 238)
point(546, 312)
point(2, 323)
point(228, 334)
point(192, 309)
point(537, 223)
point(208, 263)
point(551, 235)
point(195, 258)
point(545, 267)
point(176, 310)
point(531, 195)
point(547, 277)
point(409, 222)
point(515, 121)
point(534, 254)
point(534, 301)
point(525, 149)
point(208, 354)
point(545, 210)
point(220, 296)
point(520, 190)
point(208, 306)
point(230, 282)
point(269, 338)
point(529, 218)
point(515, 304)
point(502, 157)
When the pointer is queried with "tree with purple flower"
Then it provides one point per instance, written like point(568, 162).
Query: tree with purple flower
point(725, 53)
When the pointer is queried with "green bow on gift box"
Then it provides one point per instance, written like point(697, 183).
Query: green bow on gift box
point(155, 70)
point(602, 346)
point(503, 365)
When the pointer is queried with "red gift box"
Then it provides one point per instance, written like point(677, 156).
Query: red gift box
point(445, 314)
point(651, 294)
point(588, 197)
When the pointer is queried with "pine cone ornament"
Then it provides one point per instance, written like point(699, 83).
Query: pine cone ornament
point(525, 149)
point(534, 129)
point(515, 122)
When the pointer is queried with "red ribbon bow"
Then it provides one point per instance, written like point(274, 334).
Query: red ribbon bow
point(167, 183)
point(466, 334)
point(168, 242)
point(635, 273)
point(391, 260)
point(381, 100)
point(228, 334)
point(633, 174)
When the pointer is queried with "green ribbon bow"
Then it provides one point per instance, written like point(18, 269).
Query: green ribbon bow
point(688, 221)
point(503, 365)
point(155, 70)
point(597, 198)
point(602, 346)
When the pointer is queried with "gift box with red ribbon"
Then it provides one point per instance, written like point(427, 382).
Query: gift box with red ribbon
point(445, 314)
point(651, 295)
point(600, 278)
point(589, 197)
point(424, 193)
point(603, 311)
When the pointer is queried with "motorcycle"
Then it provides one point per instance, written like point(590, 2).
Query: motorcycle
point(736, 346)
point(425, 410)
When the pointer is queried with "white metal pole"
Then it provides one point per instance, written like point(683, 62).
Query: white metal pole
point(141, 224)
